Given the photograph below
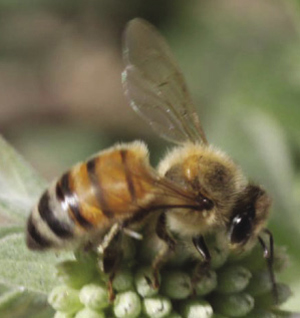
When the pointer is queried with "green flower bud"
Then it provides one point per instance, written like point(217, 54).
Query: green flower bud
point(285, 314)
point(129, 249)
point(206, 284)
point(233, 279)
point(233, 305)
point(157, 306)
point(253, 259)
point(65, 299)
point(75, 274)
point(260, 313)
point(219, 257)
point(60, 314)
point(173, 314)
point(281, 259)
point(89, 313)
point(149, 247)
point(235, 288)
point(196, 309)
point(123, 280)
point(94, 296)
point(176, 284)
point(127, 305)
point(219, 250)
point(260, 283)
point(143, 280)
point(268, 299)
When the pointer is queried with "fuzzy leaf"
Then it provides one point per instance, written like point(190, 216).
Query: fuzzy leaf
point(17, 303)
point(25, 277)
point(20, 186)
point(19, 267)
point(11, 229)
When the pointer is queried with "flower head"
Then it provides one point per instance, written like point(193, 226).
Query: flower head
point(234, 286)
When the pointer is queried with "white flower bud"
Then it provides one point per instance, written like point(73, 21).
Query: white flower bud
point(196, 309)
point(157, 306)
point(127, 305)
point(143, 280)
point(94, 296)
point(89, 313)
point(60, 314)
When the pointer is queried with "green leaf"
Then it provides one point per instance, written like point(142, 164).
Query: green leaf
point(25, 277)
point(32, 271)
point(20, 186)
point(11, 229)
point(17, 303)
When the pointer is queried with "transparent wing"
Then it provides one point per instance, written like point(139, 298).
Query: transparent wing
point(155, 86)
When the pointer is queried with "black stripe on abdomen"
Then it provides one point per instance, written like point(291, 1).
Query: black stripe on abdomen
point(58, 227)
point(34, 239)
point(65, 194)
point(98, 189)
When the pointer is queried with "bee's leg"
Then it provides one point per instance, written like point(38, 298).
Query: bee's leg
point(269, 256)
point(111, 251)
point(169, 247)
point(202, 267)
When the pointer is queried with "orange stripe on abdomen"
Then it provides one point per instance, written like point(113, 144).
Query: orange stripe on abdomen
point(107, 174)
point(85, 194)
point(111, 186)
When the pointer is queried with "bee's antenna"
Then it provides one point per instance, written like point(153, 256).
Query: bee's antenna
point(269, 256)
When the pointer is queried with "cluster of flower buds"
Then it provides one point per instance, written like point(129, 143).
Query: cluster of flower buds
point(232, 287)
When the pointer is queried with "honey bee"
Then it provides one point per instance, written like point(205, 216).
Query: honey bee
point(196, 190)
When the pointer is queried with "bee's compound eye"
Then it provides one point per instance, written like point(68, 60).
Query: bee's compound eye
point(240, 229)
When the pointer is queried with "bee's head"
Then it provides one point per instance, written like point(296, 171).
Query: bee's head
point(249, 215)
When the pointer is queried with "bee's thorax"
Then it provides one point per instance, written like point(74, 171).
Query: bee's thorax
point(208, 173)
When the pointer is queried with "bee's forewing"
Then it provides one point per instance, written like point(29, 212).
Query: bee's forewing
point(155, 86)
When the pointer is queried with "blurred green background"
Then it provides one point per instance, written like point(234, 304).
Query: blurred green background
point(62, 100)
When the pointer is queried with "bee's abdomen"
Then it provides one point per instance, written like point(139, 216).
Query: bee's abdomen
point(69, 200)
point(90, 197)
point(50, 224)
point(65, 212)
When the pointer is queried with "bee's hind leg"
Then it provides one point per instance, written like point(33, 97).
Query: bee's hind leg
point(165, 251)
point(111, 253)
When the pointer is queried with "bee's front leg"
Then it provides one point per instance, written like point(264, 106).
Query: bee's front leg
point(111, 252)
point(165, 251)
point(202, 267)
